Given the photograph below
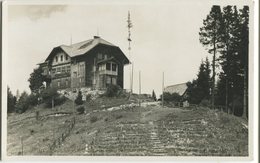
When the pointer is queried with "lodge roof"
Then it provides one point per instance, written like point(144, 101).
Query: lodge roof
point(177, 88)
point(84, 46)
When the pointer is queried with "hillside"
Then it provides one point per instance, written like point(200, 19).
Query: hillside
point(106, 129)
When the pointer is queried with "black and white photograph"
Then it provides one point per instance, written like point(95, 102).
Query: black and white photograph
point(128, 78)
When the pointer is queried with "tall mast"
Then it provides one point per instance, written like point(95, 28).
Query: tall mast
point(129, 26)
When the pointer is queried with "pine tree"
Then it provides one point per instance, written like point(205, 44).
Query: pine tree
point(22, 104)
point(243, 53)
point(230, 60)
point(221, 90)
point(191, 91)
point(236, 69)
point(199, 89)
point(11, 101)
point(226, 51)
point(207, 82)
point(210, 36)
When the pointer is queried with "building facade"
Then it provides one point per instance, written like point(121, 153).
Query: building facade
point(94, 63)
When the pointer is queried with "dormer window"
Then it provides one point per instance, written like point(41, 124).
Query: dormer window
point(61, 58)
point(56, 58)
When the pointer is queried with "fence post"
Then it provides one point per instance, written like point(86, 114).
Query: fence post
point(37, 115)
point(21, 138)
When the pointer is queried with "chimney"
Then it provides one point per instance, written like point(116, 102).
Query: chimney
point(96, 37)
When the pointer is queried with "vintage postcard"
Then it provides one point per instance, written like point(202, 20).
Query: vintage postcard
point(154, 79)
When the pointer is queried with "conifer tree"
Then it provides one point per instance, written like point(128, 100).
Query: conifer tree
point(225, 58)
point(243, 53)
point(199, 89)
point(233, 60)
point(11, 101)
point(211, 38)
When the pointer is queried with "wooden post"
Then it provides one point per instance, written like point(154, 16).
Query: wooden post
point(162, 89)
point(21, 138)
point(53, 128)
point(37, 115)
point(132, 79)
point(52, 103)
point(139, 87)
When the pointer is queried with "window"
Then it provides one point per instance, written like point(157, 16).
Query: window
point(113, 67)
point(61, 58)
point(56, 58)
point(63, 70)
point(74, 74)
point(58, 70)
point(80, 80)
point(67, 57)
point(58, 83)
point(81, 69)
point(108, 66)
point(68, 69)
point(53, 70)
point(67, 82)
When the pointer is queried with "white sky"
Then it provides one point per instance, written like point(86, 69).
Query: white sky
point(165, 38)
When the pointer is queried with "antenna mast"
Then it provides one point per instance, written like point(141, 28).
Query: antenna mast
point(129, 26)
point(70, 39)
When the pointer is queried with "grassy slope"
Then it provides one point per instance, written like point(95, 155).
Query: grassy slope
point(142, 131)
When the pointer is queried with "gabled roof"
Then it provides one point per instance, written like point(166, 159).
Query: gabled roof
point(178, 88)
point(84, 46)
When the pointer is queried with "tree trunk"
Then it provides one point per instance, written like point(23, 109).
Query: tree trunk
point(213, 77)
point(245, 94)
point(226, 100)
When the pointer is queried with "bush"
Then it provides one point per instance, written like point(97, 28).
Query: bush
point(79, 100)
point(119, 116)
point(81, 109)
point(174, 97)
point(113, 90)
point(93, 119)
point(22, 105)
point(205, 103)
point(50, 94)
point(88, 97)
point(32, 99)
point(59, 100)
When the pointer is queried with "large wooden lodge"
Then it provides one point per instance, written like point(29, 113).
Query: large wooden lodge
point(94, 63)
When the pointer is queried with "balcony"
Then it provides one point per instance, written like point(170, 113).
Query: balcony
point(108, 72)
point(108, 68)
point(60, 75)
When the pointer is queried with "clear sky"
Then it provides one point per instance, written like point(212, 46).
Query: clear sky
point(165, 38)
